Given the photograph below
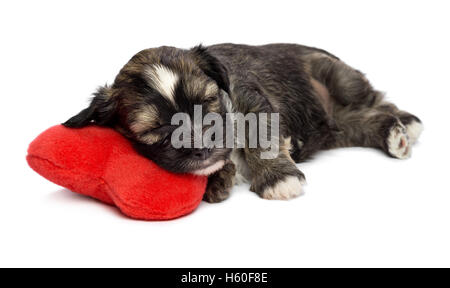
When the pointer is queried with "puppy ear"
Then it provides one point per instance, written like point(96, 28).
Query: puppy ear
point(100, 111)
point(212, 67)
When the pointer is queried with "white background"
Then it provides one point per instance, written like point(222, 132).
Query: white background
point(361, 208)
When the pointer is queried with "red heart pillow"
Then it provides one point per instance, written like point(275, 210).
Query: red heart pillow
point(101, 163)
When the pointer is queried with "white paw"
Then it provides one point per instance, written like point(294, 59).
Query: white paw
point(398, 142)
point(414, 129)
point(288, 188)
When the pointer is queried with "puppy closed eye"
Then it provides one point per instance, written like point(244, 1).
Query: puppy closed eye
point(210, 99)
point(157, 134)
point(212, 103)
point(149, 138)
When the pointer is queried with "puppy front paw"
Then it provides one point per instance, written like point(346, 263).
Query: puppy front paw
point(288, 188)
point(220, 184)
point(216, 194)
point(279, 186)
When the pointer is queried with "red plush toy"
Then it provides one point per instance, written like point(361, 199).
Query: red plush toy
point(101, 163)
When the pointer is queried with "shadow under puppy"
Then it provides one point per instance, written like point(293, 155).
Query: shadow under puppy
point(322, 104)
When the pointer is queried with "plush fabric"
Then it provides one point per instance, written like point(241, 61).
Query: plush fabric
point(101, 163)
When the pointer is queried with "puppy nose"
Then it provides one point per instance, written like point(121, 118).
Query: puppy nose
point(201, 154)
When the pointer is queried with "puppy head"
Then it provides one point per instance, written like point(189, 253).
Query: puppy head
point(152, 87)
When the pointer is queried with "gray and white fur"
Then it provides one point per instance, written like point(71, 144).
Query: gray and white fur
point(323, 103)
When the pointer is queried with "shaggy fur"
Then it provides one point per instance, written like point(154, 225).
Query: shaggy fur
point(323, 103)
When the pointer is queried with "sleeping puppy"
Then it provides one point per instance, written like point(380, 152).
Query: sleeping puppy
point(321, 102)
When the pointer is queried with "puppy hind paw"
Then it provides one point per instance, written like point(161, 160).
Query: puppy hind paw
point(414, 129)
point(413, 125)
point(398, 142)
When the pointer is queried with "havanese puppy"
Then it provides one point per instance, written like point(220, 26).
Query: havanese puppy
point(322, 103)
